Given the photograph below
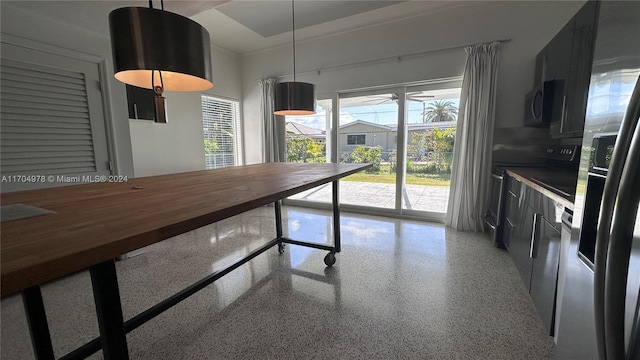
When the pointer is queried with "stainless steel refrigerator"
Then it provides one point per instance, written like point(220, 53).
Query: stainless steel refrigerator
point(599, 272)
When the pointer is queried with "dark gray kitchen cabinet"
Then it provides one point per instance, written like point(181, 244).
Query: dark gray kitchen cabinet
point(521, 243)
point(569, 57)
point(507, 232)
point(577, 87)
point(519, 228)
point(545, 254)
point(511, 211)
point(558, 54)
point(532, 238)
point(541, 68)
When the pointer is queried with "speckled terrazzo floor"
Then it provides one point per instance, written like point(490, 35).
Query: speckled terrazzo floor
point(400, 290)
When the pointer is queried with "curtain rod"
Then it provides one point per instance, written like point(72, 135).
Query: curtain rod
point(397, 58)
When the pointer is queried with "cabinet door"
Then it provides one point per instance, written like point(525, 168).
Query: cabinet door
point(558, 68)
point(520, 244)
point(558, 53)
point(512, 217)
point(541, 67)
point(533, 198)
point(577, 88)
point(544, 274)
point(507, 232)
point(514, 186)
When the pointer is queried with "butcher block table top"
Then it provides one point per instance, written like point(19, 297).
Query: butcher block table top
point(96, 222)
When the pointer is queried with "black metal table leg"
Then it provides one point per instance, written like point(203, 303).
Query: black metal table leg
point(330, 259)
point(336, 215)
point(278, 208)
point(109, 311)
point(37, 319)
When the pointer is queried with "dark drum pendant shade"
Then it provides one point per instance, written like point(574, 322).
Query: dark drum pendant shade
point(295, 98)
point(146, 39)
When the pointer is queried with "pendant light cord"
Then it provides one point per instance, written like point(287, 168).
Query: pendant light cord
point(161, 4)
point(293, 32)
point(160, 88)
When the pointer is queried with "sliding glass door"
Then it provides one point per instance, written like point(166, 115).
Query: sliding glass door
point(407, 133)
point(432, 112)
point(367, 133)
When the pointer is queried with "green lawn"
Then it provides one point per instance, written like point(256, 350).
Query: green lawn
point(412, 179)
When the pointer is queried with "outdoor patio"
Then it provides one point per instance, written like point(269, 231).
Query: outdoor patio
point(415, 197)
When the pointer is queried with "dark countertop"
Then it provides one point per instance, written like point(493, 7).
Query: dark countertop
point(559, 185)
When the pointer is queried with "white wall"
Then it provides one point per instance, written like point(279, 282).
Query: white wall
point(142, 148)
point(529, 25)
point(178, 145)
point(21, 22)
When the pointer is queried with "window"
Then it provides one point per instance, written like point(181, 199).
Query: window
point(355, 139)
point(221, 129)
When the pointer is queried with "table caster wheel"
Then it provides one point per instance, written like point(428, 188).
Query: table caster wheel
point(330, 259)
point(281, 248)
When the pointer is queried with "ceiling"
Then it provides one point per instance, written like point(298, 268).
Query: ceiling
point(246, 26)
point(268, 18)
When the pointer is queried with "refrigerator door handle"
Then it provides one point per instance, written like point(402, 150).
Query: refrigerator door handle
point(620, 244)
point(621, 149)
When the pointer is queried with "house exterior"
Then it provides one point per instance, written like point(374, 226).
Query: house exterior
point(366, 133)
point(294, 129)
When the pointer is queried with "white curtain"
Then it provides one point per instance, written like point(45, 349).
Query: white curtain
point(273, 126)
point(471, 169)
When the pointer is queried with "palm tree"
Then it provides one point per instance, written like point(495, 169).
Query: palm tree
point(439, 110)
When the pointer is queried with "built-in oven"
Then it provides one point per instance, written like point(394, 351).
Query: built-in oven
point(599, 160)
point(494, 217)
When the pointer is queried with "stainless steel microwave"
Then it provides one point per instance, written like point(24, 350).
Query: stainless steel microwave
point(538, 104)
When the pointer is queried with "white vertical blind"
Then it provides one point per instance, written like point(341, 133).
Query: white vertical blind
point(221, 129)
point(46, 127)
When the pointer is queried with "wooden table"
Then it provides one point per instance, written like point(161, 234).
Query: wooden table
point(95, 223)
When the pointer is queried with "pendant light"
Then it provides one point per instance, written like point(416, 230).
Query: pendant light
point(295, 98)
point(159, 50)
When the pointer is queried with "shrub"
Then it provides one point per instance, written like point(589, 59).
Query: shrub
point(411, 167)
point(303, 149)
point(368, 154)
point(393, 158)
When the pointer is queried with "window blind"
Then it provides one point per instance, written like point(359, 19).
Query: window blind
point(45, 126)
point(221, 129)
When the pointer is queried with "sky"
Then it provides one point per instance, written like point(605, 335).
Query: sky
point(383, 114)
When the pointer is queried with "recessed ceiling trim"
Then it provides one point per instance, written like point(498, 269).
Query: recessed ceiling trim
point(269, 18)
